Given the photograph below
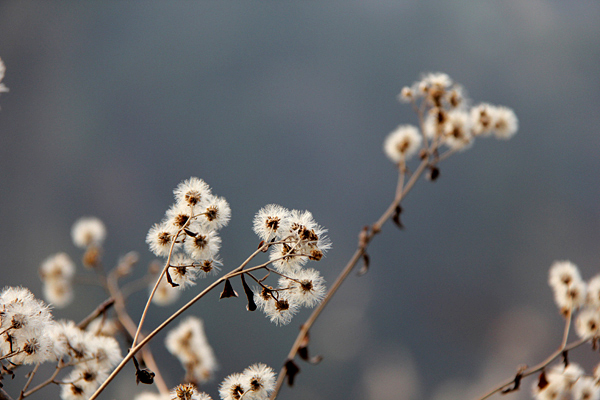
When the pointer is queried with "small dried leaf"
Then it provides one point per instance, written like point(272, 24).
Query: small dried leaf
point(303, 352)
point(516, 381)
point(396, 217)
point(249, 295)
point(8, 371)
point(303, 348)
point(261, 244)
point(170, 280)
point(542, 381)
point(365, 267)
point(189, 233)
point(434, 173)
point(228, 291)
point(291, 370)
point(565, 358)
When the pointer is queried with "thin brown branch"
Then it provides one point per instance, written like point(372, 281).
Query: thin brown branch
point(4, 395)
point(564, 347)
point(102, 307)
point(177, 313)
point(130, 327)
point(362, 247)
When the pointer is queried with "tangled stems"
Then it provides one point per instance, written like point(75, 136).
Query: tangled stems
point(134, 349)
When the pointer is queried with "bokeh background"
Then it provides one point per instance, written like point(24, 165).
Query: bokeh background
point(112, 104)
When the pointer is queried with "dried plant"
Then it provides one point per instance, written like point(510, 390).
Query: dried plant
point(88, 356)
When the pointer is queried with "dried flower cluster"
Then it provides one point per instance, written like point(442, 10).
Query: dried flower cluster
point(188, 236)
point(24, 323)
point(255, 383)
point(573, 295)
point(188, 239)
point(31, 336)
point(93, 357)
point(567, 382)
point(294, 238)
point(448, 119)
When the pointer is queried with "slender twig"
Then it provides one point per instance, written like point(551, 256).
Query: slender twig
point(48, 381)
point(401, 191)
point(31, 375)
point(564, 347)
point(164, 271)
point(4, 395)
point(130, 327)
point(134, 349)
point(102, 307)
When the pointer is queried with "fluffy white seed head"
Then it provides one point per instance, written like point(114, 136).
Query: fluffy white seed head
point(554, 390)
point(184, 272)
point(271, 221)
point(593, 292)
point(306, 287)
point(88, 231)
point(286, 258)
point(3, 88)
point(187, 391)
point(58, 292)
point(204, 245)
point(160, 237)
point(402, 143)
point(192, 192)
point(232, 388)
point(189, 344)
point(152, 396)
point(104, 327)
point(281, 311)
point(570, 298)
point(505, 123)
point(563, 274)
point(259, 381)
point(587, 323)
point(586, 389)
point(215, 214)
point(58, 266)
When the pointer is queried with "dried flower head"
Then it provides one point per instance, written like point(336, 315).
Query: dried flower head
point(189, 344)
point(232, 388)
point(402, 143)
point(88, 231)
point(192, 192)
point(271, 221)
point(306, 287)
point(259, 381)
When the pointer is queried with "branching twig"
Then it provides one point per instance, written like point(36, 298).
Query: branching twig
point(361, 249)
point(564, 347)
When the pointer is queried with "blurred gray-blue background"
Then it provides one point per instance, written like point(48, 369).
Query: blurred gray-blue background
point(112, 104)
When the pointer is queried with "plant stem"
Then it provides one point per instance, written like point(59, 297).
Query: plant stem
point(134, 349)
point(530, 371)
point(360, 251)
